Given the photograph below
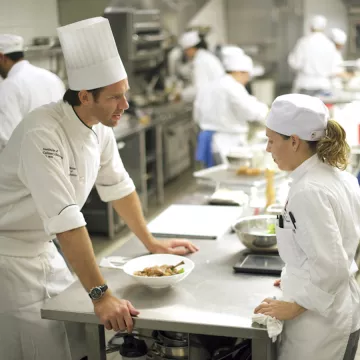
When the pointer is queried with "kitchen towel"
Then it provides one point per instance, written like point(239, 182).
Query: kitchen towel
point(274, 326)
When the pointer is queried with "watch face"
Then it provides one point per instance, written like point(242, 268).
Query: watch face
point(96, 293)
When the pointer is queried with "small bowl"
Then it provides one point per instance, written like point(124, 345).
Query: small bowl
point(142, 262)
point(252, 231)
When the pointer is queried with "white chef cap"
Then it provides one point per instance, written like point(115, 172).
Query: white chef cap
point(238, 62)
point(229, 49)
point(189, 39)
point(318, 22)
point(301, 115)
point(11, 43)
point(91, 56)
point(338, 36)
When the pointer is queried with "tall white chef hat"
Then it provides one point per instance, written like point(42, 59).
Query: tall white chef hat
point(318, 22)
point(11, 43)
point(189, 39)
point(301, 115)
point(338, 36)
point(237, 61)
point(91, 56)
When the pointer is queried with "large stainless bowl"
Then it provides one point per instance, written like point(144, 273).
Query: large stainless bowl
point(252, 231)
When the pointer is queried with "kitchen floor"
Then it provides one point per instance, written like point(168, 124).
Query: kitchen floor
point(104, 247)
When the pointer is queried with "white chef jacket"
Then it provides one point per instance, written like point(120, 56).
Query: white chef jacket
point(314, 59)
point(47, 171)
point(25, 88)
point(318, 252)
point(225, 106)
point(206, 68)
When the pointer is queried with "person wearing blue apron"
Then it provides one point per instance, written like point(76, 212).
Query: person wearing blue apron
point(317, 234)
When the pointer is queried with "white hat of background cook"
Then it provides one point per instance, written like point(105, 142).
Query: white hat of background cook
point(189, 39)
point(338, 36)
point(237, 61)
point(91, 56)
point(11, 43)
point(301, 115)
point(318, 22)
point(230, 49)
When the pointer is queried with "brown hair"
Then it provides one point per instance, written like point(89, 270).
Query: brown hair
point(72, 97)
point(332, 149)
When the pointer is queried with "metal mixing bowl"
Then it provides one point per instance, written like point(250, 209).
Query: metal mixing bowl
point(252, 231)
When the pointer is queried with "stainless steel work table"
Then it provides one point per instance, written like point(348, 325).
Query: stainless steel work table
point(212, 300)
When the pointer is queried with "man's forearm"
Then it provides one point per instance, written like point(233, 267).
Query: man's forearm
point(77, 249)
point(129, 209)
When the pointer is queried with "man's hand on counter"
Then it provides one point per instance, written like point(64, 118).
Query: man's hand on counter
point(115, 313)
point(172, 246)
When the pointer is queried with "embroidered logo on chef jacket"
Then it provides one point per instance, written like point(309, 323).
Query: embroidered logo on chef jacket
point(73, 171)
point(51, 153)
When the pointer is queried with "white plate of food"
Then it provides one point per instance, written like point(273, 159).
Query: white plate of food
point(159, 270)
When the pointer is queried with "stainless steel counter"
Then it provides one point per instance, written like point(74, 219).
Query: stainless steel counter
point(213, 300)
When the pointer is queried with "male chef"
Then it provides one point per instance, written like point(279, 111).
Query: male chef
point(25, 86)
point(52, 161)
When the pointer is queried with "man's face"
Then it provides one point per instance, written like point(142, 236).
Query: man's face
point(111, 103)
point(280, 149)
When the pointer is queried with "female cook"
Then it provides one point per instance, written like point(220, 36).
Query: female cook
point(318, 233)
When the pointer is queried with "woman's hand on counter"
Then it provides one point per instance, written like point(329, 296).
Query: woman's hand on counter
point(172, 246)
point(277, 283)
point(281, 310)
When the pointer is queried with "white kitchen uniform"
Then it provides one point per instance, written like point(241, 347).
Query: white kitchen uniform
point(225, 106)
point(315, 60)
point(47, 171)
point(318, 252)
point(206, 68)
point(25, 88)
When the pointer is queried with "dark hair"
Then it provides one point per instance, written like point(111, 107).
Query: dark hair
point(332, 149)
point(202, 44)
point(15, 56)
point(72, 96)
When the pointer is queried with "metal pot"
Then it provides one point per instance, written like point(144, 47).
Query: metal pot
point(167, 341)
point(175, 335)
point(179, 352)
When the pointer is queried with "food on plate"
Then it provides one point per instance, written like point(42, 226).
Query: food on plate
point(163, 270)
point(271, 229)
point(246, 170)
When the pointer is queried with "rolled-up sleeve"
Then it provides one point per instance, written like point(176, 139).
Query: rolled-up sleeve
point(318, 235)
point(42, 171)
point(113, 182)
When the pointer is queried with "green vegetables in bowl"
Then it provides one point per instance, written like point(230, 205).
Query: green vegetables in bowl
point(271, 229)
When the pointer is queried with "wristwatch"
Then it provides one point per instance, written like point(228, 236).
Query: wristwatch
point(97, 292)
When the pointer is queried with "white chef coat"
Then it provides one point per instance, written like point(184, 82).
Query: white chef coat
point(25, 88)
point(225, 106)
point(339, 69)
point(206, 68)
point(318, 252)
point(47, 171)
point(314, 59)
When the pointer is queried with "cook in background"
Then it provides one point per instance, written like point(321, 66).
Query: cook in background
point(226, 107)
point(314, 59)
point(24, 88)
point(339, 39)
point(205, 65)
point(52, 161)
point(317, 235)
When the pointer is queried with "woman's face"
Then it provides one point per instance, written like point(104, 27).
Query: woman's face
point(282, 150)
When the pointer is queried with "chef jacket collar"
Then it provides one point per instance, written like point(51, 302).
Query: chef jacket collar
point(17, 67)
point(301, 170)
point(75, 124)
